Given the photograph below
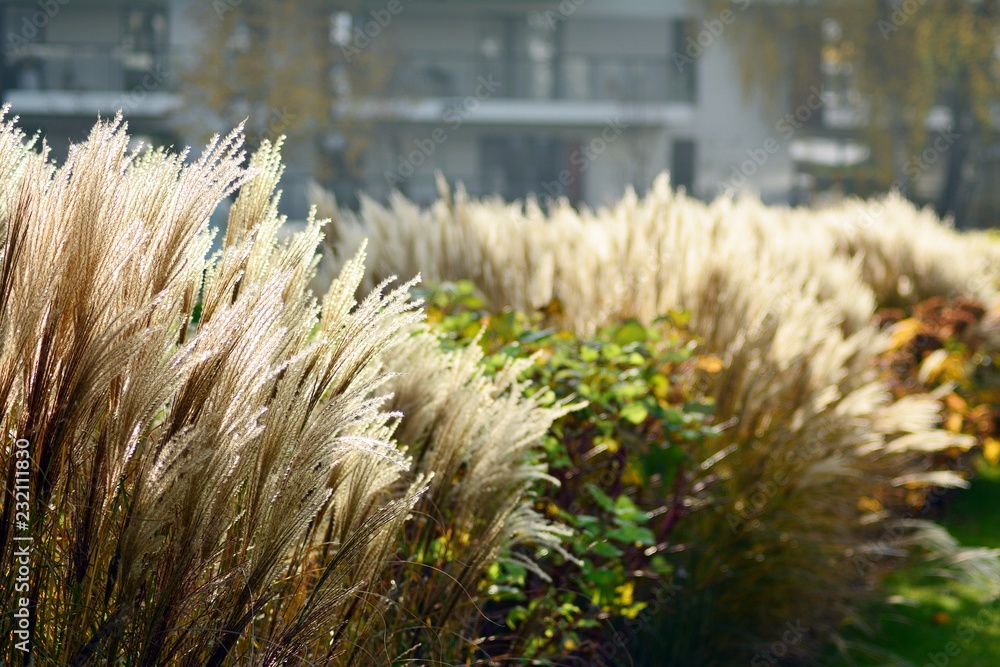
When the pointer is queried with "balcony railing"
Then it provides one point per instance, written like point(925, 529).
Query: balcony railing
point(422, 187)
point(86, 68)
point(580, 77)
point(574, 77)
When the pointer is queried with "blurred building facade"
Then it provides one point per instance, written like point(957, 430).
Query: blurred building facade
point(574, 98)
point(62, 63)
point(579, 98)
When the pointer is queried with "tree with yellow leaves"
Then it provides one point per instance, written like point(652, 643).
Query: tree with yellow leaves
point(287, 66)
point(919, 76)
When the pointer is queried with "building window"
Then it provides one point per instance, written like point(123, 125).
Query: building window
point(684, 82)
point(682, 164)
point(144, 48)
point(541, 60)
point(516, 165)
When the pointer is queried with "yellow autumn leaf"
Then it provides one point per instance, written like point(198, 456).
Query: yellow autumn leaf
point(991, 451)
point(954, 368)
point(631, 476)
point(866, 504)
point(632, 611)
point(903, 332)
point(626, 593)
point(710, 364)
point(553, 308)
point(434, 315)
point(660, 386)
point(953, 424)
point(955, 403)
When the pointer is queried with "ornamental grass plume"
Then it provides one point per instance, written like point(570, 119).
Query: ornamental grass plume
point(902, 255)
point(471, 435)
point(908, 255)
point(176, 468)
point(214, 478)
point(816, 447)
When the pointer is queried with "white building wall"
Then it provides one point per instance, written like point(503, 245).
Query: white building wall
point(734, 134)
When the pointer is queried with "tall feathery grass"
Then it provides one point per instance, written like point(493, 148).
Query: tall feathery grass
point(815, 445)
point(641, 255)
point(218, 469)
point(470, 434)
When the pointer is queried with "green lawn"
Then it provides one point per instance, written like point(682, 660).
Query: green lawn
point(933, 622)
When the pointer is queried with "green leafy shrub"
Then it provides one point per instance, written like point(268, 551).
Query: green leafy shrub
point(629, 465)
